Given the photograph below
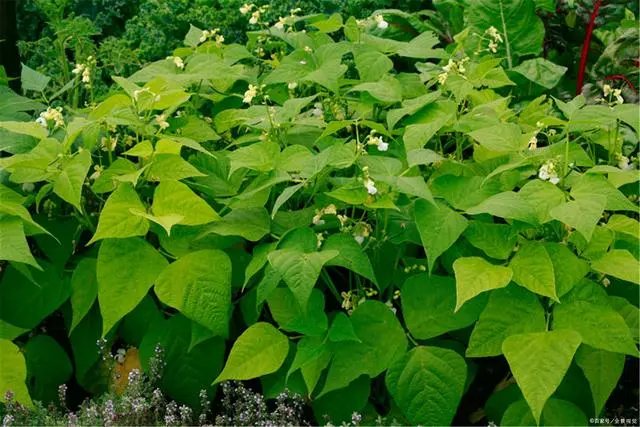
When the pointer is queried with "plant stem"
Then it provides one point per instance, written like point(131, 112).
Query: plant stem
point(506, 36)
point(585, 47)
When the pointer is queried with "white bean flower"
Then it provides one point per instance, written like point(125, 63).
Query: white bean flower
point(370, 186)
point(250, 93)
point(380, 22)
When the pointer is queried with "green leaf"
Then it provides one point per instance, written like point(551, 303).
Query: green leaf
point(259, 351)
point(516, 21)
point(286, 310)
point(126, 269)
point(192, 38)
point(512, 310)
point(116, 220)
point(556, 412)
point(69, 183)
point(84, 290)
point(423, 126)
point(539, 361)
point(329, 25)
point(598, 324)
point(383, 341)
point(260, 157)
point(33, 80)
point(474, 275)
point(591, 186)
point(427, 384)
point(541, 71)
point(171, 167)
point(176, 198)
point(199, 285)
point(603, 370)
point(342, 329)
point(439, 228)
point(502, 138)
point(339, 405)
point(409, 107)
point(507, 205)
point(48, 366)
point(618, 263)
point(582, 214)
point(533, 269)
point(251, 223)
point(350, 255)
point(386, 90)
point(495, 240)
point(568, 269)
point(25, 128)
point(27, 295)
point(629, 313)
point(438, 293)
point(624, 225)
point(186, 371)
point(372, 65)
point(421, 47)
point(13, 374)
point(13, 242)
point(300, 271)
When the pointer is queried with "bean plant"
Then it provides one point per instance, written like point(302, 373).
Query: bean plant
point(384, 225)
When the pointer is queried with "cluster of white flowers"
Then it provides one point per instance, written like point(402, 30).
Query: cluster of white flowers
point(453, 67)
point(494, 39)
point(161, 121)
point(414, 267)
point(548, 172)
point(615, 93)
point(624, 162)
point(212, 34)
point(51, 115)
point(255, 11)
point(373, 139)
point(85, 70)
point(177, 61)
point(251, 92)
point(380, 22)
point(328, 210)
point(108, 144)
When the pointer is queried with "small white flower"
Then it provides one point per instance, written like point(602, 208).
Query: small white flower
point(109, 144)
point(255, 17)
point(623, 162)
point(28, 187)
point(442, 78)
point(308, 49)
point(371, 187)
point(219, 40)
point(548, 172)
point(205, 35)
point(86, 76)
point(381, 23)
point(246, 8)
point(554, 180)
point(533, 143)
point(493, 47)
point(330, 210)
point(78, 68)
point(450, 65)
point(97, 172)
point(607, 90)
point(295, 11)
point(359, 239)
point(303, 62)
point(391, 307)
point(160, 120)
point(617, 93)
point(383, 146)
point(292, 85)
point(539, 124)
point(249, 94)
point(42, 122)
point(280, 24)
point(178, 62)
